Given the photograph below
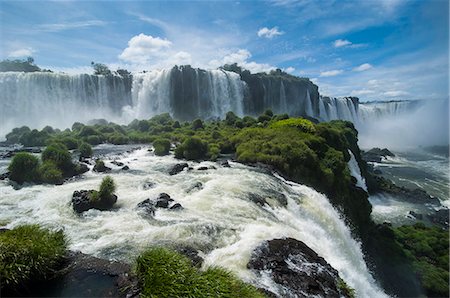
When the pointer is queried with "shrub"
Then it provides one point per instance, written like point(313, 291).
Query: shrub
point(87, 131)
point(264, 118)
point(192, 148)
point(77, 126)
point(107, 188)
point(85, 150)
point(14, 136)
point(34, 138)
point(230, 118)
point(70, 142)
point(49, 173)
point(197, 124)
point(93, 140)
point(269, 113)
point(118, 139)
point(166, 273)
point(176, 124)
point(58, 153)
point(24, 168)
point(300, 123)
point(162, 146)
point(29, 252)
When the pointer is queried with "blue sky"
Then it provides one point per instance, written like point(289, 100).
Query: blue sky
point(373, 49)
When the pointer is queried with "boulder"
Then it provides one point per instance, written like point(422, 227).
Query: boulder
point(100, 167)
point(82, 201)
point(376, 154)
point(176, 206)
point(4, 176)
point(147, 206)
point(117, 163)
point(225, 164)
point(195, 186)
point(257, 199)
point(178, 168)
point(295, 268)
point(163, 201)
point(148, 185)
point(126, 168)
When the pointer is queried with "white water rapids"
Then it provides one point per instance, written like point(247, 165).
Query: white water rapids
point(219, 219)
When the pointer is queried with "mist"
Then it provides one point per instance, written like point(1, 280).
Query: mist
point(427, 125)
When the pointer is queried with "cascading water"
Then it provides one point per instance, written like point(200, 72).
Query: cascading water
point(355, 171)
point(43, 98)
point(219, 218)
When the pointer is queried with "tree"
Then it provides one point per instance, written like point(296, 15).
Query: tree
point(107, 188)
point(101, 69)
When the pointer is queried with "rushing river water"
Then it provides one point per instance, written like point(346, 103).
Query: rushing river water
point(219, 218)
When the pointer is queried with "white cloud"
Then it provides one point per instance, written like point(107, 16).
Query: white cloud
point(289, 69)
point(241, 57)
point(361, 92)
point(67, 26)
point(341, 43)
point(269, 33)
point(19, 53)
point(141, 48)
point(331, 73)
point(395, 93)
point(363, 67)
point(181, 58)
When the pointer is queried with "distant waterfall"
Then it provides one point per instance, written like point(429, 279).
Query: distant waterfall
point(42, 98)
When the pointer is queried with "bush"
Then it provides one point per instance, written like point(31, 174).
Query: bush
point(118, 139)
point(166, 273)
point(29, 253)
point(162, 146)
point(231, 118)
point(85, 150)
point(24, 168)
point(300, 123)
point(192, 148)
point(86, 131)
point(49, 173)
point(58, 153)
point(107, 188)
point(197, 124)
point(93, 140)
point(70, 142)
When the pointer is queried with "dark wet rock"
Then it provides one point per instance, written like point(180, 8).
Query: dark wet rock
point(82, 201)
point(377, 172)
point(126, 168)
point(163, 200)
point(148, 185)
point(376, 154)
point(202, 168)
point(100, 167)
point(192, 254)
point(176, 206)
point(4, 176)
point(295, 268)
point(195, 186)
point(87, 276)
point(117, 163)
point(225, 164)
point(416, 215)
point(148, 206)
point(85, 160)
point(81, 168)
point(178, 168)
point(440, 217)
point(257, 199)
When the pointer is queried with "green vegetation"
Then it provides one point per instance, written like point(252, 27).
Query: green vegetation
point(193, 148)
point(162, 146)
point(29, 252)
point(166, 273)
point(24, 168)
point(50, 173)
point(428, 248)
point(345, 290)
point(107, 188)
point(85, 150)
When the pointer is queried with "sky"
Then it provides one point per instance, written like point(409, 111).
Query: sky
point(372, 49)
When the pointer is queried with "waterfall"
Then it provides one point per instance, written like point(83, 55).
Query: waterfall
point(219, 219)
point(42, 98)
point(355, 171)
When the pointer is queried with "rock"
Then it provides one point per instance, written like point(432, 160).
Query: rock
point(81, 168)
point(178, 168)
point(163, 201)
point(225, 164)
point(4, 176)
point(126, 168)
point(295, 268)
point(176, 206)
point(191, 254)
point(257, 199)
point(440, 217)
point(148, 185)
point(197, 185)
point(117, 163)
point(100, 167)
point(84, 160)
point(376, 154)
point(81, 201)
point(416, 215)
point(202, 168)
point(147, 206)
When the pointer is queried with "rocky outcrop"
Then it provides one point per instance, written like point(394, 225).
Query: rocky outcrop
point(178, 168)
point(295, 268)
point(84, 200)
point(164, 201)
point(100, 167)
point(376, 154)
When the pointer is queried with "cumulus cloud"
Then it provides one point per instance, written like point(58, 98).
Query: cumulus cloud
point(289, 69)
point(338, 43)
point(331, 73)
point(269, 33)
point(363, 67)
point(241, 57)
point(141, 48)
point(19, 53)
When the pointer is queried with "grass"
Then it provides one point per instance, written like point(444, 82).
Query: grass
point(29, 252)
point(166, 273)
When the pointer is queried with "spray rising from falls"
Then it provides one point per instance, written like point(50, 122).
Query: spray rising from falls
point(219, 217)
